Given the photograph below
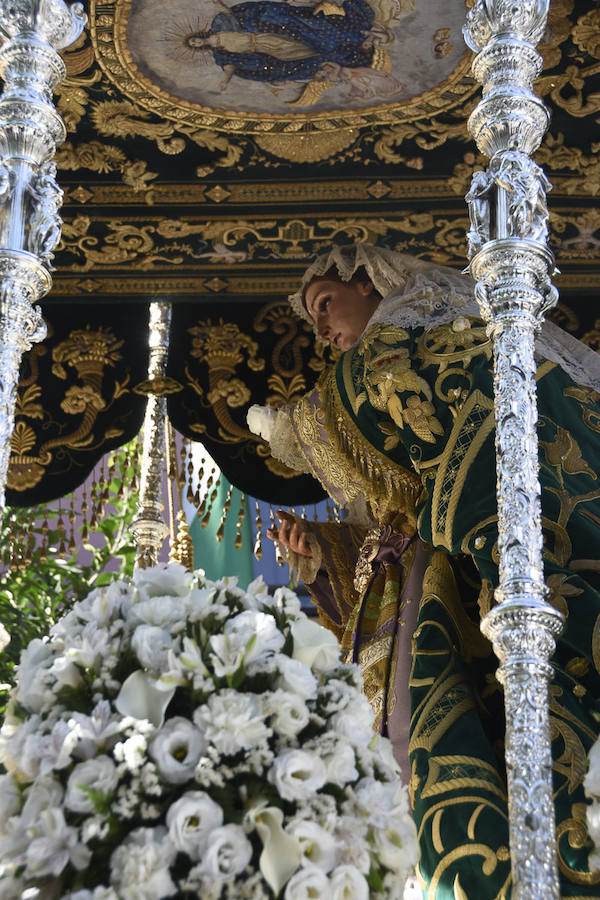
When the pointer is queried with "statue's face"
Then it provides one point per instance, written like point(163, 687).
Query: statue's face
point(340, 310)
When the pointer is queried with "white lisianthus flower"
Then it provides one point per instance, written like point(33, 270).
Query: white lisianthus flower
point(99, 774)
point(297, 774)
point(139, 867)
point(397, 847)
point(103, 605)
point(289, 712)
point(591, 782)
point(164, 580)
point(191, 820)
point(227, 853)
point(341, 764)
point(310, 883)
point(10, 799)
point(33, 691)
point(177, 748)
point(257, 592)
point(319, 847)
point(232, 721)
point(53, 845)
point(314, 645)
point(355, 721)
point(151, 645)
point(347, 883)
point(296, 676)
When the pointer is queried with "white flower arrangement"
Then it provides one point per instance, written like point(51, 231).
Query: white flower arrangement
point(176, 737)
point(591, 786)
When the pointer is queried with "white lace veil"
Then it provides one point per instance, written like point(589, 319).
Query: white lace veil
point(416, 293)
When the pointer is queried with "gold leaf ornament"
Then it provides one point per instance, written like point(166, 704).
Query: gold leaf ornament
point(586, 33)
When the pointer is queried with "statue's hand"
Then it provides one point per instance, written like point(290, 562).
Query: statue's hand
point(291, 534)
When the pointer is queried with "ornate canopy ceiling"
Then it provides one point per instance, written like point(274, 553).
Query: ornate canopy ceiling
point(214, 148)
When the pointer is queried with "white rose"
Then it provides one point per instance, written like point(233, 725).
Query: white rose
point(98, 773)
point(296, 676)
point(319, 847)
point(190, 821)
point(314, 645)
point(163, 612)
point(347, 883)
point(139, 867)
point(228, 852)
point(4, 637)
point(177, 748)
point(297, 774)
point(289, 713)
point(232, 721)
point(165, 580)
point(151, 645)
point(310, 883)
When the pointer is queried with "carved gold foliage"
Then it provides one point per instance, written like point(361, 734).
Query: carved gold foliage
point(123, 119)
point(554, 155)
point(102, 158)
point(585, 242)
point(567, 90)
point(23, 439)
point(27, 404)
point(586, 33)
point(72, 96)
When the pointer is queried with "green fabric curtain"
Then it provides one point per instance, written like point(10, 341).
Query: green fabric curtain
point(219, 558)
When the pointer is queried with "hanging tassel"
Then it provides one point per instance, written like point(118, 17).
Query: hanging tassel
point(221, 529)
point(240, 522)
point(258, 551)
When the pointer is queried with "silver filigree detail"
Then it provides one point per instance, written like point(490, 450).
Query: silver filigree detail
point(512, 268)
point(30, 199)
point(148, 528)
point(44, 221)
point(488, 19)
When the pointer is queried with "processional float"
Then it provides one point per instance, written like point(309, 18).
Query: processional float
point(512, 268)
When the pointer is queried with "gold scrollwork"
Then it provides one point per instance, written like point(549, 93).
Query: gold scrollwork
point(89, 352)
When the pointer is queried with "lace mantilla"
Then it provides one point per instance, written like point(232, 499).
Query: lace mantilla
point(420, 294)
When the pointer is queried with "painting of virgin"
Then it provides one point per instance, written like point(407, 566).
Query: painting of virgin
point(280, 57)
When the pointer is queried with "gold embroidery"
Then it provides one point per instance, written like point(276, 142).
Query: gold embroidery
point(576, 832)
point(451, 773)
point(471, 427)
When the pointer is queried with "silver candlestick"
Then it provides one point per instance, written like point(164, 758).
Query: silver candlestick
point(512, 267)
point(30, 199)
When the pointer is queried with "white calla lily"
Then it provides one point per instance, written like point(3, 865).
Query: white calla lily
point(141, 698)
point(281, 855)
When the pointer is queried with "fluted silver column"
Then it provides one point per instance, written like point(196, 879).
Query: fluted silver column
point(512, 267)
point(149, 528)
point(30, 130)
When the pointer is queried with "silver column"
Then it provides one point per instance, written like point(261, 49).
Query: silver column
point(149, 528)
point(512, 267)
point(30, 130)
